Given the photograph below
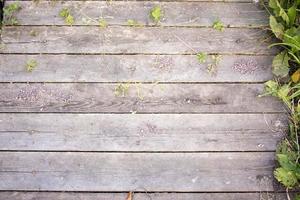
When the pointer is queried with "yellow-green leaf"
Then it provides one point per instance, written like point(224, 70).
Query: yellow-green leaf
point(280, 65)
point(296, 76)
point(277, 28)
point(156, 14)
point(286, 177)
point(292, 12)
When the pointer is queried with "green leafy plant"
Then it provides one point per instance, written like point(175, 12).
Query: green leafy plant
point(121, 90)
point(36, 1)
point(2, 46)
point(31, 65)
point(280, 64)
point(65, 13)
point(33, 33)
point(134, 23)
point(284, 23)
point(9, 12)
point(201, 56)
point(212, 68)
point(102, 23)
point(156, 14)
point(214, 61)
point(218, 25)
point(288, 151)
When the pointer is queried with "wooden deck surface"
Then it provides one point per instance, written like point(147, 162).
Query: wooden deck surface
point(180, 133)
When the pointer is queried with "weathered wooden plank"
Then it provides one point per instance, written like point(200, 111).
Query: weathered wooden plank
point(93, 132)
point(118, 12)
point(136, 171)
point(144, 68)
point(123, 40)
point(139, 196)
point(241, 1)
point(142, 98)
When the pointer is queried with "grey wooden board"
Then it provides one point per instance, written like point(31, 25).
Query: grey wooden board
point(142, 98)
point(144, 68)
point(158, 40)
point(51, 171)
point(139, 196)
point(118, 12)
point(128, 132)
point(241, 1)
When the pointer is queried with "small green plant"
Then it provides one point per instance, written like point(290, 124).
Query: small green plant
point(2, 46)
point(139, 90)
point(65, 13)
point(9, 12)
point(134, 23)
point(212, 68)
point(122, 90)
point(102, 23)
point(216, 59)
point(33, 33)
point(218, 25)
point(284, 23)
point(31, 65)
point(36, 1)
point(202, 57)
point(156, 14)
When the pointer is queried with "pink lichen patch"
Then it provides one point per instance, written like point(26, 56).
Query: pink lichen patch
point(42, 95)
point(163, 63)
point(245, 66)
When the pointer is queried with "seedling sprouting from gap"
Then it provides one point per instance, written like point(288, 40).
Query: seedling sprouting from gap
point(33, 33)
point(9, 13)
point(122, 90)
point(139, 91)
point(31, 65)
point(156, 14)
point(216, 59)
point(218, 25)
point(134, 23)
point(65, 13)
point(202, 56)
point(2, 46)
point(102, 23)
point(212, 68)
point(36, 1)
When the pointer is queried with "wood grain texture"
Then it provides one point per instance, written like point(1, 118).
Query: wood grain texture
point(136, 171)
point(241, 1)
point(141, 98)
point(124, 40)
point(140, 68)
point(93, 132)
point(118, 12)
point(139, 196)
point(171, 152)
